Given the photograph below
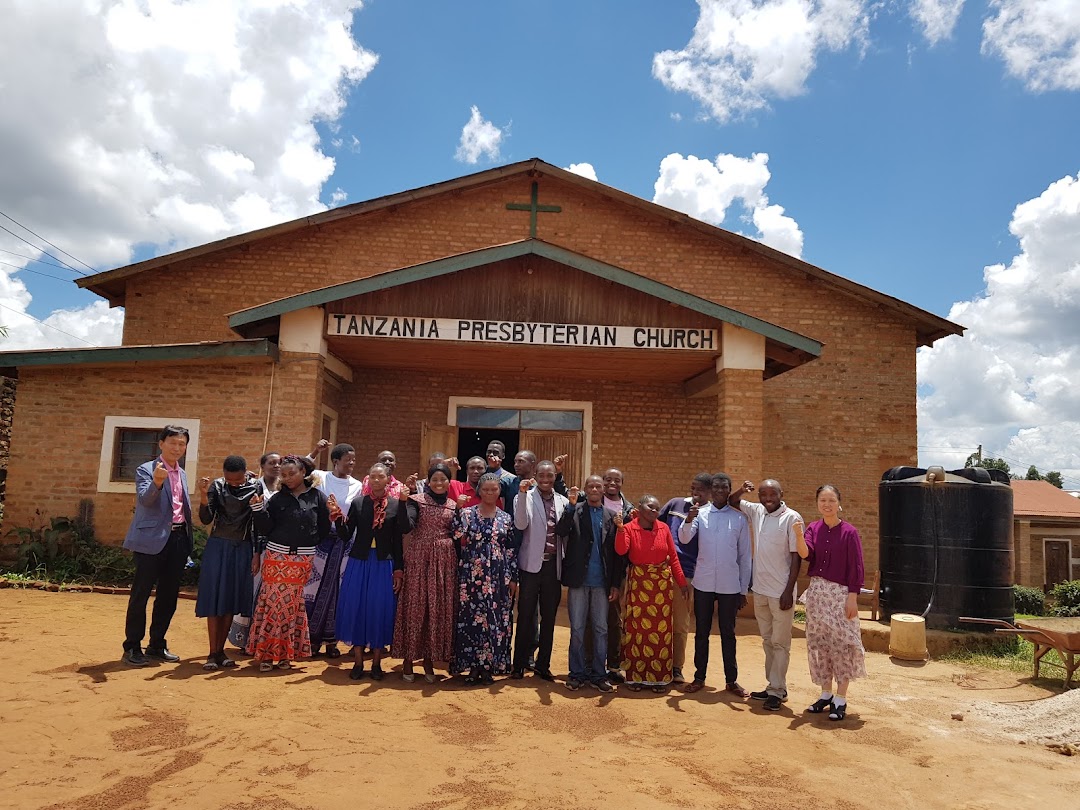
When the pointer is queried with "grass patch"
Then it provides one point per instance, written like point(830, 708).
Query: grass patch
point(1013, 655)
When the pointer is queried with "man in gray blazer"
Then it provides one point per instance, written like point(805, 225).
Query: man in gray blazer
point(160, 538)
point(537, 510)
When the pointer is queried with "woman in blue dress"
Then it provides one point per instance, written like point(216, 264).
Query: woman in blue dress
point(487, 586)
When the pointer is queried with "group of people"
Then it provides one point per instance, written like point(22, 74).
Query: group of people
point(299, 560)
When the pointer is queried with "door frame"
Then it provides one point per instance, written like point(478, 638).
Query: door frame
point(532, 404)
point(1070, 561)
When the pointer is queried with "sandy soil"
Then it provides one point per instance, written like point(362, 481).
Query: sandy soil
point(82, 731)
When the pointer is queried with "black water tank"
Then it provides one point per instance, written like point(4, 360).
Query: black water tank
point(957, 532)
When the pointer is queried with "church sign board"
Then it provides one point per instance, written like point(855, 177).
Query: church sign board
point(528, 333)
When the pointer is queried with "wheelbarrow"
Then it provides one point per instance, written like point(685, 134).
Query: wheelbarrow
point(1060, 634)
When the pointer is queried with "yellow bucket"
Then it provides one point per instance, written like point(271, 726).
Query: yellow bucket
point(907, 637)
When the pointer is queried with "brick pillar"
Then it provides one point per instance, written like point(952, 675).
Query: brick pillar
point(739, 423)
point(740, 404)
point(296, 410)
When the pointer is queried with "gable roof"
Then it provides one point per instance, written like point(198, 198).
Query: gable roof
point(929, 327)
point(1043, 499)
point(784, 349)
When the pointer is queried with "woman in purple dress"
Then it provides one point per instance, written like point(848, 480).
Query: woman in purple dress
point(833, 549)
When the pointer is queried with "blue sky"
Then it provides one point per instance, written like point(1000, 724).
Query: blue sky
point(909, 148)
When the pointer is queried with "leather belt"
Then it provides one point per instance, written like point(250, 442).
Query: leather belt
point(178, 526)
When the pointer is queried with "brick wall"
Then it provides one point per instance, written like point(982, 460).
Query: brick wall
point(57, 430)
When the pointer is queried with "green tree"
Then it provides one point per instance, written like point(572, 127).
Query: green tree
point(987, 463)
point(1033, 474)
point(1054, 477)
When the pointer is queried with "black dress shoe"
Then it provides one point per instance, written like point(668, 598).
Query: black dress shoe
point(377, 673)
point(545, 674)
point(615, 677)
point(135, 658)
point(357, 672)
point(517, 674)
point(162, 654)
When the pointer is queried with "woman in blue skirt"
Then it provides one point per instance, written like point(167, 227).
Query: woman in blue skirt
point(375, 522)
point(225, 584)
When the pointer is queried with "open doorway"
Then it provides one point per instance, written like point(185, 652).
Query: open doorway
point(474, 442)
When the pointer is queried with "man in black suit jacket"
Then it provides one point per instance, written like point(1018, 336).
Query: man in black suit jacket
point(593, 574)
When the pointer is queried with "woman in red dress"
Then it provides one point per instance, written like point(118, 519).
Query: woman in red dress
point(651, 578)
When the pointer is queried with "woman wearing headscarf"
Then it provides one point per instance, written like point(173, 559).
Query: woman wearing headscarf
point(424, 628)
point(373, 576)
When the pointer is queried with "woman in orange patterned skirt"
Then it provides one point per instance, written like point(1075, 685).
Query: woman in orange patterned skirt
point(293, 522)
point(647, 623)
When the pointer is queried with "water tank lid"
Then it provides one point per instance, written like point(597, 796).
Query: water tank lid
point(902, 473)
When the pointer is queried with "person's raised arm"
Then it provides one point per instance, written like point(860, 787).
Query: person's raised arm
point(622, 539)
point(521, 504)
point(566, 519)
point(689, 529)
point(322, 445)
point(801, 544)
point(208, 501)
point(736, 495)
point(148, 483)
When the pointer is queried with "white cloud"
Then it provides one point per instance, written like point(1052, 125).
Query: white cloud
point(1010, 382)
point(163, 123)
point(707, 189)
point(338, 197)
point(744, 52)
point(936, 18)
point(479, 137)
point(584, 169)
point(1039, 40)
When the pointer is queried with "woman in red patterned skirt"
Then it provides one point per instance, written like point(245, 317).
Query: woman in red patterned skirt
point(424, 626)
point(651, 578)
point(293, 522)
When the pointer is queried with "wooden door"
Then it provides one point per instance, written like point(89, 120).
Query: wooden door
point(436, 439)
point(550, 443)
point(1057, 561)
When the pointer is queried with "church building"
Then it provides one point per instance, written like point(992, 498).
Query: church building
point(523, 303)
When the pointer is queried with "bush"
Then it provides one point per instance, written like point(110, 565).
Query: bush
point(1028, 600)
point(1066, 598)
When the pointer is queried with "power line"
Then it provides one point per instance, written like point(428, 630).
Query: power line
point(32, 259)
point(37, 247)
point(49, 325)
point(19, 268)
point(50, 244)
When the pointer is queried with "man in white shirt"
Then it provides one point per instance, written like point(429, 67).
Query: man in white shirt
point(777, 529)
point(721, 579)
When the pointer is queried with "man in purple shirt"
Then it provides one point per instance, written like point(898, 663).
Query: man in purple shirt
point(160, 538)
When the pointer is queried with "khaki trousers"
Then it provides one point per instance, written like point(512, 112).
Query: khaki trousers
point(775, 628)
point(682, 612)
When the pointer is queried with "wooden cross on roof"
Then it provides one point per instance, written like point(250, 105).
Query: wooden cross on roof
point(534, 208)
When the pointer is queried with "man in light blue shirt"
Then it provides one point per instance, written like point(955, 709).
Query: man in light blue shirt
point(722, 578)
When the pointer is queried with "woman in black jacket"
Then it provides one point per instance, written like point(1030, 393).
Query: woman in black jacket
point(373, 575)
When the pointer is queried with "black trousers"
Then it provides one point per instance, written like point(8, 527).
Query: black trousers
point(727, 605)
point(614, 637)
point(543, 589)
point(163, 570)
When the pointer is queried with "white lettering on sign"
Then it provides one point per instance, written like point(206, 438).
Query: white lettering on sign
point(528, 333)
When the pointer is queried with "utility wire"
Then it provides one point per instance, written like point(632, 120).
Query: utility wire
point(37, 247)
point(50, 244)
point(49, 325)
point(20, 268)
point(32, 259)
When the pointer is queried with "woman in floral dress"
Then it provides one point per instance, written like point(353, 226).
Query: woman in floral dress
point(487, 585)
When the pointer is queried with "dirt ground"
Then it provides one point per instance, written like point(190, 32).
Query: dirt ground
point(82, 731)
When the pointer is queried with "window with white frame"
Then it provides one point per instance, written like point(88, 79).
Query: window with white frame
point(128, 441)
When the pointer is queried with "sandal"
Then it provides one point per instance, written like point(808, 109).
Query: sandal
point(408, 677)
point(820, 705)
point(838, 712)
point(266, 666)
point(211, 664)
point(486, 679)
point(660, 688)
point(634, 687)
point(695, 686)
point(285, 665)
point(332, 651)
point(224, 661)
